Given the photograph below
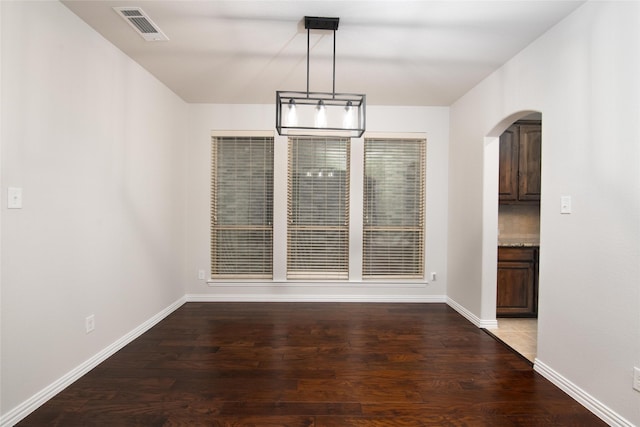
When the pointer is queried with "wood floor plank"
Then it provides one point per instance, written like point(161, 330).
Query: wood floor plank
point(313, 364)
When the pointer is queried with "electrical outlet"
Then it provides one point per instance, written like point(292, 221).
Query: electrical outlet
point(433, 276)
point(636, 379)
point(201, 274)
point(90, 323)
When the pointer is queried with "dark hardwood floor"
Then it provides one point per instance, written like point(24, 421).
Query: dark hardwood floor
point(313, 364)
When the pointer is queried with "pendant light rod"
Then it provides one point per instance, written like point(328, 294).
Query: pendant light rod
point(317, 23)
point(308, 48)
point(334, 64)
point(308, 30)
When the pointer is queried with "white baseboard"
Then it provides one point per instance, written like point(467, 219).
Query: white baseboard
point(18, 413)
point(480, 323)
point(315, 298)
point(585, 399)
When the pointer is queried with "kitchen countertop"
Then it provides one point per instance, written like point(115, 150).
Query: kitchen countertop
point(518, 244)
point(518, 241)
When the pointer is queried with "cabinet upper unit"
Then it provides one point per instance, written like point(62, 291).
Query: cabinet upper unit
point(520, 163)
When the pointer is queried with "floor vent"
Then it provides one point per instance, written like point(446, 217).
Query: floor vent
point(139, 20)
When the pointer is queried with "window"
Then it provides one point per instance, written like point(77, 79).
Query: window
point(318, 208)
point(394, 191)
point(242, 207)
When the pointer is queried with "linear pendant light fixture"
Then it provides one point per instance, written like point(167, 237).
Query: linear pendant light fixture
point(320, 113)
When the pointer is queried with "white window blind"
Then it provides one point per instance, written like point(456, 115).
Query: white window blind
point(394, 192)
point(318, 208)
point(242, 207)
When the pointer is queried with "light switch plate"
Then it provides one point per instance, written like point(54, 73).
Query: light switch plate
point(14, 198)
point(90, 323)
point(565, 204)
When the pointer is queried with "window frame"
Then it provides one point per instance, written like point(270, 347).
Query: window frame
point(294, 223)
point(418, 229)
point(216, 227)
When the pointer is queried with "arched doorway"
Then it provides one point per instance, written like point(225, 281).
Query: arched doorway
point(511, 229)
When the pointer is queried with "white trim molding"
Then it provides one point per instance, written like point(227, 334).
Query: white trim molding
point(18, 413)
point(318, 291)
point(221, 283)
point(480, 323)
point(601, 410)
point(242, 133)
point(260, 297)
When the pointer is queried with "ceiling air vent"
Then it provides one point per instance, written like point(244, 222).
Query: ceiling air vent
point(139, 20)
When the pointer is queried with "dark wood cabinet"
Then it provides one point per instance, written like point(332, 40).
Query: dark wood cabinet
point(520, 163)
point(517, 287)
point(509, 164)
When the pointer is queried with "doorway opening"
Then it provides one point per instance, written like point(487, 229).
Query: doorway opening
point(511, 243)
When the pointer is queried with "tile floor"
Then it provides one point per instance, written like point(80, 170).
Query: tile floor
point(519, 334)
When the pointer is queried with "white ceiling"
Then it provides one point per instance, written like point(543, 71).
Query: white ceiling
point(397, 52)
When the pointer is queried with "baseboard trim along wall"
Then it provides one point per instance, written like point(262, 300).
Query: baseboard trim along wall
point(585, 399)
point(318, 291)
point(480, 323)
point(18, 413)
point(316, 298)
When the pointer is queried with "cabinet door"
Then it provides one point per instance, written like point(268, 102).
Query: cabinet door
point(530, 141)
point(508, 178)
point(516, 289)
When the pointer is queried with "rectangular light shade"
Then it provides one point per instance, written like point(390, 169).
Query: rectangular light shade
point(299, 114)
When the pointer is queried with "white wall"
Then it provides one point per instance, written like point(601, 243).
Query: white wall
point(432, 121)
point(96, 143)
point(583, 75)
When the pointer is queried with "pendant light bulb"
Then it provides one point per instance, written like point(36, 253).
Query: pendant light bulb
point(321, 115)
point(292, 115)
point(347, 121)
